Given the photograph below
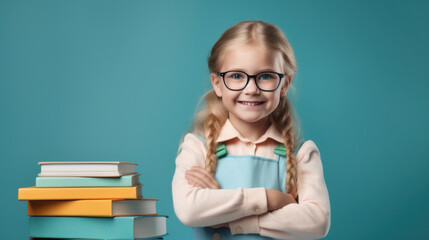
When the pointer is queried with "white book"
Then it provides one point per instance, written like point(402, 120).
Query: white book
point(86, 169)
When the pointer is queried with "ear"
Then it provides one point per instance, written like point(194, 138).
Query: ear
point(286, 85)
point(216, 84)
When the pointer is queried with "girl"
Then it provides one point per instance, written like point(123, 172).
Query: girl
point(242, 173)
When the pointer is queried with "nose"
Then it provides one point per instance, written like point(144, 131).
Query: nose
point(251, 87)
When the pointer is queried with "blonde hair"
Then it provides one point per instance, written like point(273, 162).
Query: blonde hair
point(209, 121)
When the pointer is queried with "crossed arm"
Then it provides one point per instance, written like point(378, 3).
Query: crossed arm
point(200, 202)
point(200, 177)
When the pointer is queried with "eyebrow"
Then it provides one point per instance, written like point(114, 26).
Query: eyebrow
point(263, 70)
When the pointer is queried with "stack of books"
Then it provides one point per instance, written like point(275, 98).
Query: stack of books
point(91, 200)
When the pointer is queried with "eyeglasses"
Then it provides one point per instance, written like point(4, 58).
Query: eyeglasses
point(238, 80)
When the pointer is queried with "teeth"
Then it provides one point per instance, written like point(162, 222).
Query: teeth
point(251, 103)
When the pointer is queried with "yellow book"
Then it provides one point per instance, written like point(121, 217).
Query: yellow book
point(92, 208)
point(75, 193)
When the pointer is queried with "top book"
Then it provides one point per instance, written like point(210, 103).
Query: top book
point(86, 169)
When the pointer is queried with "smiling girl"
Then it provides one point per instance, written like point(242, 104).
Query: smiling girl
point(242, 173)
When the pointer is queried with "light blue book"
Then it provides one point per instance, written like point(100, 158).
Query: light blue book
point(124, 181)
point(124, 228)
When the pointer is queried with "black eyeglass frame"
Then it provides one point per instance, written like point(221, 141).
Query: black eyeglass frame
point(222, 74)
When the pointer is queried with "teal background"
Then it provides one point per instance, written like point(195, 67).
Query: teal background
point(119, 80)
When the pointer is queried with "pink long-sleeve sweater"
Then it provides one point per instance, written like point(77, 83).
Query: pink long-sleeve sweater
point(246, 209)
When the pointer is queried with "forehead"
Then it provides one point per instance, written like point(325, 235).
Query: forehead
point(250, 57)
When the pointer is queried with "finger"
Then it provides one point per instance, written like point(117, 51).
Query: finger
point(202, 178)
point(194, 181)
point(206, 177)
point(197, 180)
point(195, 184)
point(210, 178)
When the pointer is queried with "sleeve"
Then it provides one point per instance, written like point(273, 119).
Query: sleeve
point(198, 207)
point(310, 218)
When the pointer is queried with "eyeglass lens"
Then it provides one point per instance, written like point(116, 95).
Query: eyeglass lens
point(265, 81)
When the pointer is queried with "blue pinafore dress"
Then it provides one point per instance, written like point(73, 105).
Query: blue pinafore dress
point(245, 171)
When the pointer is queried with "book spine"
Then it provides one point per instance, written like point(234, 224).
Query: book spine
point(84, 174)
point(82, 227)
point(72, 193)
point(124, 181)
point(94, 208)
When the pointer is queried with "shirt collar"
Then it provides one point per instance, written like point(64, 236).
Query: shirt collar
point(229, 132)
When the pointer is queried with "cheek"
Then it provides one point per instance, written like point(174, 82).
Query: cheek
point(274, 98)
point(229, 96)
point(274, 102)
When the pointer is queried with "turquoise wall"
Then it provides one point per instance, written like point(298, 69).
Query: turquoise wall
point(119, 80)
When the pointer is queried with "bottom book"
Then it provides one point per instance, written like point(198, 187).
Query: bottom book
point(124, 228)
point(85, 239)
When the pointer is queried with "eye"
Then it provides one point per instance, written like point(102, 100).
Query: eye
point(236, 76)
point(265, 76)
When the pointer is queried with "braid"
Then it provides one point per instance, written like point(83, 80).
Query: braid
point(208, 123)
point(211, 129)
point(283, 119)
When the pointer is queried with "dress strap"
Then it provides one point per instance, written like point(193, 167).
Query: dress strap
point(281, 150)
point(221, 151)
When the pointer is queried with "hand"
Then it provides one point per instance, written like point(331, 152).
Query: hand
point(277, 199)
point(199, 177)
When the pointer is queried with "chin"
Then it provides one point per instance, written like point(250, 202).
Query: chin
point(251, 119)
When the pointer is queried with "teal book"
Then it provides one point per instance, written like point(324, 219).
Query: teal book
point(124, 181)
point(123, 228)
point(85, 239)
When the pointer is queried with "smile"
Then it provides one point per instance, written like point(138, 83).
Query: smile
point(250, 103)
